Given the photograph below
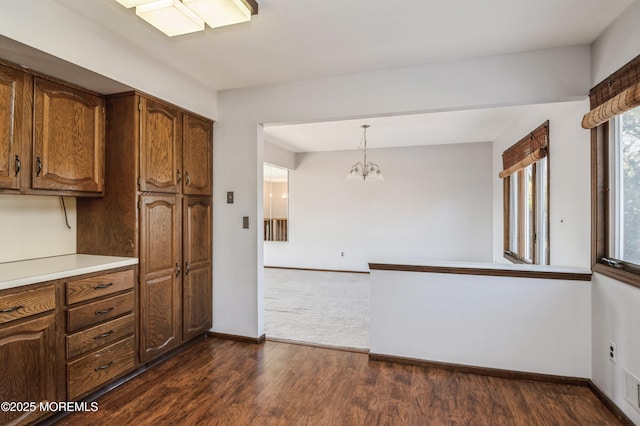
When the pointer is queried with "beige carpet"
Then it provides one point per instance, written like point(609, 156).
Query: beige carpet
point(325, 308)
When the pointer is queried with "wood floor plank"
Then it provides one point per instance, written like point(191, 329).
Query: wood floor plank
point(222, 382)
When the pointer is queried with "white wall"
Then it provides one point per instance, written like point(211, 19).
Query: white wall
point(33, 226)
point(551, 75)
point(569, 177)
point(435, 202)
point(616, 306)
point(522, 324)
point(279, 157)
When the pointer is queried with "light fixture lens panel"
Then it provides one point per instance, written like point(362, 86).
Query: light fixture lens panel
point(133, 3)
point(171, 17)
point(220, 13)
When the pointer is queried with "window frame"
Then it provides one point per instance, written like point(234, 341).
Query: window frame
point(538, 218)
point(601, 226)
point(529, 155)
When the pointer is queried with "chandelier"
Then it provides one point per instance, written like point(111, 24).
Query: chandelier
point(177, 17)
point(365, 171)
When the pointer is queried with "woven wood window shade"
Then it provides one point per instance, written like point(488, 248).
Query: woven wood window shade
point(526, 151)
point(616, 94)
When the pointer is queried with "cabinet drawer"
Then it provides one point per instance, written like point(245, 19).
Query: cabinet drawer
point(100, 311)
point(27, 303)
point(101, 285)
point(95, 369)
point(99, 336)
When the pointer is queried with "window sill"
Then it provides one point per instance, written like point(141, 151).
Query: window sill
point(618, 274)
point(511, 258)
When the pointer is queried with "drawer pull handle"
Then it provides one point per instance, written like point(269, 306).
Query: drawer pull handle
point(103, 335)
point(102, 286)
point(15, 308)
point(103, 367)
point(18, 165)
point(104, 311)
point(38, 166)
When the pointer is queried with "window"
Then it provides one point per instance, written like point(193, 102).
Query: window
point(526, 201)
point(276, 203)
point(615, 164)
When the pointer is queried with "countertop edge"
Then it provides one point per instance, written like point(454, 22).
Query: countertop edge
point(101, 263)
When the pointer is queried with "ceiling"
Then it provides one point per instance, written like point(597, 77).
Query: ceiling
point(299, 39)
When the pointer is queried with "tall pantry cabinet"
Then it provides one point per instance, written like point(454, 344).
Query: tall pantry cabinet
point(157, 207)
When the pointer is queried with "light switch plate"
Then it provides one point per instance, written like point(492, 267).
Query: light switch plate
point(230, 197)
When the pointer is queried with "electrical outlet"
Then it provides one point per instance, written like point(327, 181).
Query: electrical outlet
point(613, 352)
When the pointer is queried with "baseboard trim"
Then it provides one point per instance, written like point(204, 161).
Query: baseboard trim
point(258, 341)
point(317, 270)
point(511, 374)
point(319, 345)
point(620, 415)
point(483, 371)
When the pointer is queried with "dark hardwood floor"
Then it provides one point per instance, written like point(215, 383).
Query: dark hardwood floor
point(222, 382)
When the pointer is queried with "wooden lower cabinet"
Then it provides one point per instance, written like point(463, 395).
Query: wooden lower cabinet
point(28, 360)
point(100, 342)
point(160, 275)
point(197, 279)
point(99, 367)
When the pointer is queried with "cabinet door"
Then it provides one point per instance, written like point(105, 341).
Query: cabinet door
point(198, 160)
point(12, 117)
point(197, 281)
point(160, 147)
point(160, 275)
point(27, 357)
point(68, 146)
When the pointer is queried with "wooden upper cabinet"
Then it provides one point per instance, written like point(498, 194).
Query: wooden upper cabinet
point(196, 287)
point(160, 147)
point(68, 146)
point(197, 143)
point(12, 119)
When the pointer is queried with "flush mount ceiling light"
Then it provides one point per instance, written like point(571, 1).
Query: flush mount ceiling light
point(364, 171)
point(177, 17)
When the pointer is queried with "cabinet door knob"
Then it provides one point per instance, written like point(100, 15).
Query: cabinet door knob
point(38, 166)
point(187, 179)
point(15, 308)
point(178, 176)
point(103, 335)
point(18, 165)
point(187, 269)
point(102, 286)
point(177, 269)
point(102, 367)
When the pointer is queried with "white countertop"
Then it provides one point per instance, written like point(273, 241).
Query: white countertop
point(32, 271)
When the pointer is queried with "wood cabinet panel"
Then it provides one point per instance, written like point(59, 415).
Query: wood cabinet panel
point(197, 147)
point(68, 146)
point(100, 335)
point(100, 311)
point(160, 275)
point(97, 368)
point(160, 147)
point(26, 303)
point(28, 359)
point(97, 286)
point(13, 118)
point(197, 281)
